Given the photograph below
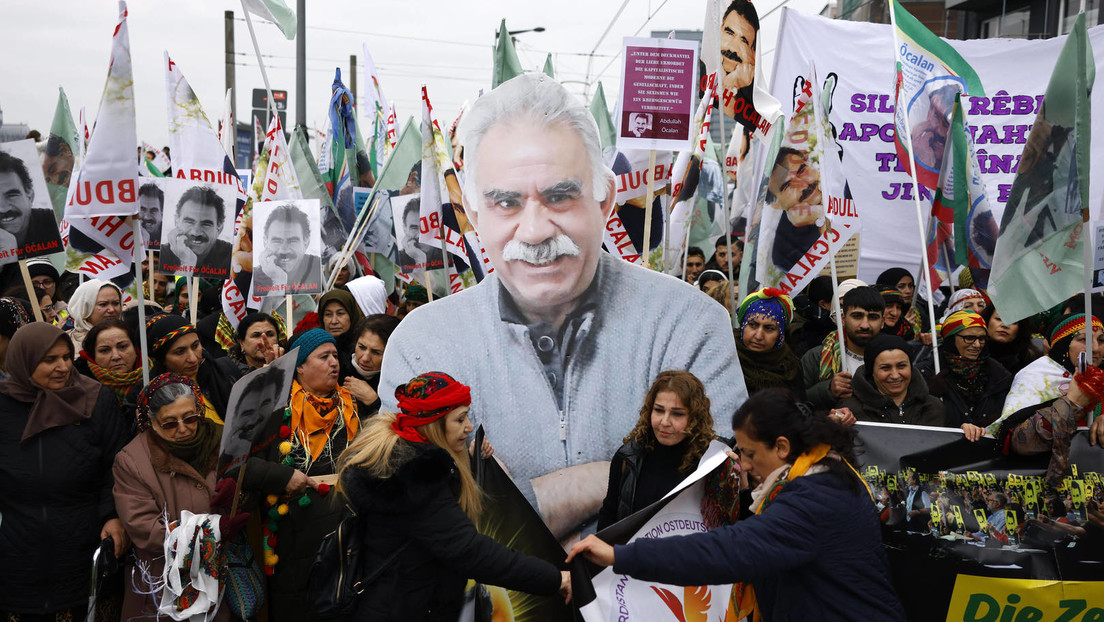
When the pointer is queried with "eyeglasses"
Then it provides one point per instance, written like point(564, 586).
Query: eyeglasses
point(172, 425)
point(972, 340)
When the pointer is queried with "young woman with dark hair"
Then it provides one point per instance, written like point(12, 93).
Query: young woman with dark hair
point(673, 431)
point(815, 538)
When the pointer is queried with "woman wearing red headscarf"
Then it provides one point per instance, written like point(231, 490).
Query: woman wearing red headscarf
point(408, 477)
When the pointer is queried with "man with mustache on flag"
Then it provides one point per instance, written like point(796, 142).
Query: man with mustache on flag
point(794, 188)
point(561, 341)
point(194, 243)
point(285, 265)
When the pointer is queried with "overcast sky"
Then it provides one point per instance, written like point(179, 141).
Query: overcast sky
point(446, 44)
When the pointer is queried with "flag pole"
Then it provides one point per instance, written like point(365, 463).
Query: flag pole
point(837, 307)
point(916, 199)
point(260, 61)
point(288, 310)
point(727, 200)
point(30, 289)
point(645, 246)
point(1087, 242)
point(142, 339)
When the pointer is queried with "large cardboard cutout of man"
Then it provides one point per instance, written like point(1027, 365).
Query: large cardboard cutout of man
point(561, 342)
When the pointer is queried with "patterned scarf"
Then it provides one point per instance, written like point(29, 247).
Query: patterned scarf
point(830, 362)
point(313, 417)
point(120, 384)
point(968, 375)
point(762, 370)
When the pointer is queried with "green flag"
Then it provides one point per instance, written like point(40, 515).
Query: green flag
point(506, 63)
point(61, 150)
point(1039, 261)
point(548, 70)
point(600, 112)
point(275, 11)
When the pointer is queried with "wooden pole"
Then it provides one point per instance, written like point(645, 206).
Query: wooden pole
point(645, 246)
point(30, 290)
point(193, 299)
point(142, 339)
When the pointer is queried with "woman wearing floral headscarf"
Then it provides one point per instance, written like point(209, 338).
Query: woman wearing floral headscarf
point(59, 433)
point(971, 384)
point(169, 468)
point(765, 358)
point(408, 476)
point(175, 348)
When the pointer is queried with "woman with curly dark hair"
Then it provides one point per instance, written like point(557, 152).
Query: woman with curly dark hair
point(673, 431)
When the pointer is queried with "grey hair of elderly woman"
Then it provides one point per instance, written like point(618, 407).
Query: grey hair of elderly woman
point(536, 100)
point(168, 394)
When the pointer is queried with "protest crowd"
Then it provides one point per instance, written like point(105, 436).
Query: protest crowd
point(290, 401)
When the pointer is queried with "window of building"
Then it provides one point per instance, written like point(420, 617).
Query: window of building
point(1015, 25)
point(1070, 10)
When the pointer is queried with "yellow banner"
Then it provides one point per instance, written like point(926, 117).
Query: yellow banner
point(987, 599)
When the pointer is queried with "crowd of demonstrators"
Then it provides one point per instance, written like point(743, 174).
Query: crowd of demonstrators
point(765, 357)
point(813, 319)
point(408, 476)
point(672, 434)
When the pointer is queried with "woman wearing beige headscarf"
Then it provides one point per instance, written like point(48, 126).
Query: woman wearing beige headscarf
point(93, 301)
point(59, 433)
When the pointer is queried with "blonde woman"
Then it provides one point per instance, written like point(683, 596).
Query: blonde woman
point(407, 475)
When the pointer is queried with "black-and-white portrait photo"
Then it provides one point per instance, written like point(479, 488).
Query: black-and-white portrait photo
point(28, 227)
point(151, 211)
point(413, 254)
point(253, 399)
point(286, 248)
point(198, 229)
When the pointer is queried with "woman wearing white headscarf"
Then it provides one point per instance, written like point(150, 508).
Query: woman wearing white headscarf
point(370, 294)
point(351, 270)
point(92, 302)
point(965, 300)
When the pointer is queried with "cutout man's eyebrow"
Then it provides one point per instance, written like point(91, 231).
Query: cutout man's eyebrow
point(566, 186)
point(497, 196)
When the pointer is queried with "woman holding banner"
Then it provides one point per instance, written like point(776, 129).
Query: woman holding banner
point(886, 388)
point(169, 468)
point(815, 542)
point(971, 384)
point(59, 433)
point(408, 477)
point(175, 348)
point(671, 435)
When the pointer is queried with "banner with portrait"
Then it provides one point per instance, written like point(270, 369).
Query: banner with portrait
point(287, 247)
point(961, 521)
point(198, 229)
point(254, 399)
point(27, 224)
point(1015, 73)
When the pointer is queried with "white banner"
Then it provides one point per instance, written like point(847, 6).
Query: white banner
point(107, 181)
point(1014, 72)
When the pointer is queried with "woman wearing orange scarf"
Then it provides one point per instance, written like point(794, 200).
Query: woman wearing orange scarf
point(320, 421)
point(813, 550)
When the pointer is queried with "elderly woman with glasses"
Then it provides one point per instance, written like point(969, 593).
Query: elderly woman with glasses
point(971, 384)
point(170, 468)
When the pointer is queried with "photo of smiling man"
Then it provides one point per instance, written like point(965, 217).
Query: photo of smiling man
point(27, 224)
point(286, 254)
point(197, 229)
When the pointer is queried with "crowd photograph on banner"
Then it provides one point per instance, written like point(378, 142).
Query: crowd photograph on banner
point(737, 310)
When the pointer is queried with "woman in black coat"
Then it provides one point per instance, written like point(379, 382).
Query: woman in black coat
point(971, 383)
point(59, 433)
point(407, 476)
point(672, 434)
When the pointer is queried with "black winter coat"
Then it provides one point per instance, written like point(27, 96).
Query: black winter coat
point(426, 582)
point(989, 404)
point(55, 496)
